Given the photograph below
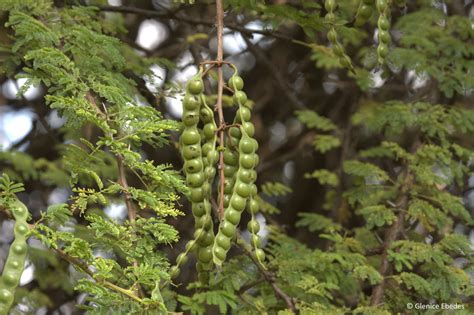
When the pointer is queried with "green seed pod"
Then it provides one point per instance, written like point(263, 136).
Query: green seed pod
point(338, 50)
point(228, 185)
point(229, 170)
point(206, 114)
point(243, 113)
point(237, 202)
point(236, 82)
point(332, 36)
point(16, 257)
point(227, 228)
point(239, 175)
point(255, 241)
point(260, 255)
point(191, 102)
point(242, 189)
point(174, 271)
point(345, 62)
point(206, 148)
point(233, 216)
point(190, 118)
point(247, 161)
point(330, 18)
point(330, 5)
point(382, 50)
point(235, 132)
point(210, 172)
point(209, 130)
point(248, 128)
point(245, 176)
point(240, 97)
point(205, 255)
point(195, 86)
point(205, 222)
point(223, 241)
point(195, 180)
point(191, 136)
point(193, 166)
point(254, 206)
point(381, 5)
point(219, 253)
point(206, 189)
point(247, 146)
point(212, 157)
point(196, 195)
point(182, 259)
point(197, 168)
point(384, 37)
point(198, 209)
point(383, 23)
point(253, 226)
point(365, 12)
point(230, 158)
point(191, 152)
point(191, 245)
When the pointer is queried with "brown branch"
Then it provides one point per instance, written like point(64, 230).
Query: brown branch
point(392, 235)
point(85, 268)
point(132, 211)
point(173, 16)
point(220, 90)
point(268, 276)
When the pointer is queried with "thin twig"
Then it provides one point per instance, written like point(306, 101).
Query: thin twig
point(85, 268)
point(394, 231)
point(173, 16)
point(269, 277)
point(220, 90)
point(132, 211)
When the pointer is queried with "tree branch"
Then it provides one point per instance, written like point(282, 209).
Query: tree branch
point(394, 231)
point(173, 16)
point(218, 108)
point(85, 268)
point(268, 276)
point(132, 211)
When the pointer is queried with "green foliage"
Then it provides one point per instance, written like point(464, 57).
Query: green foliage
point(313, 120)
point(324, 177)
point(275, 189)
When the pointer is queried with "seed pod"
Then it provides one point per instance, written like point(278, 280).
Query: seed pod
point(238, 187)
point(337, 48)
point(383, 25)
point(196, 167)
point(364, 12)
point(15, 262)
point(209, 153)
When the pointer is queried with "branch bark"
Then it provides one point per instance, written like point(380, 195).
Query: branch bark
point(220, 90)
point(269, 277)
point(85, 268)
point(392, 235)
